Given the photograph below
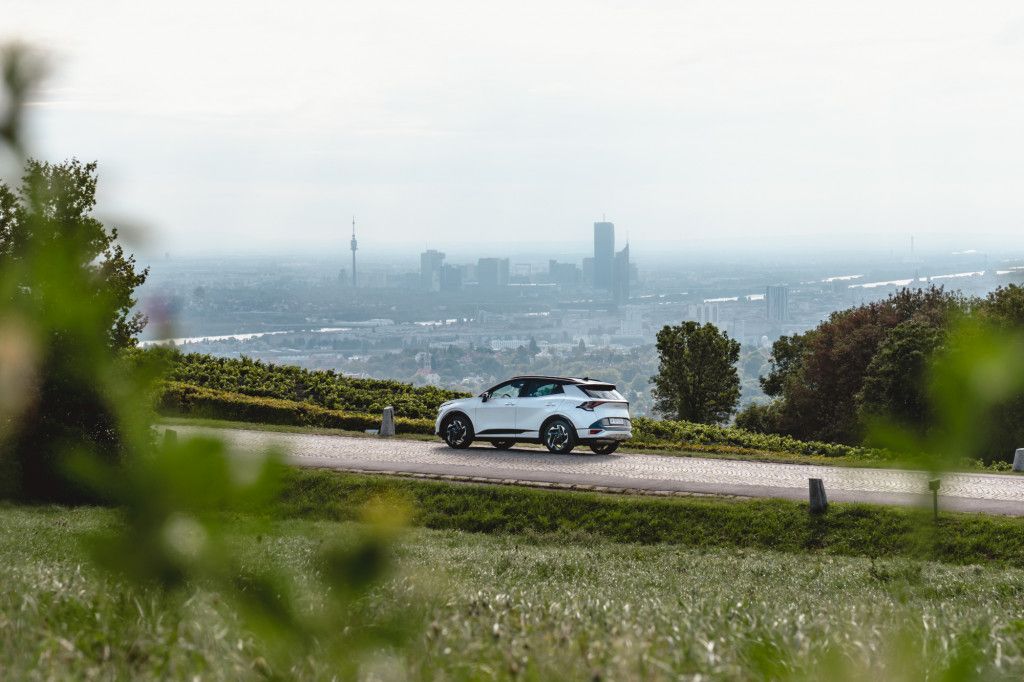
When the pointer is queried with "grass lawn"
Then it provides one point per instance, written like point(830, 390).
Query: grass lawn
point(482, 606)
point(710, 452)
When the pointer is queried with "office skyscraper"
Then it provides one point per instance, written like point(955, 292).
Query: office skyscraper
point(604, 255)
point(492, 273)
point(430, 270)
point(620, 276)
point(777, 303)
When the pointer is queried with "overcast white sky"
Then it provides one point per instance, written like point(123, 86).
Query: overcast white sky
point(262, 125)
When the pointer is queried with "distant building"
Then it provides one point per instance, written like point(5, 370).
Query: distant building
point(777, 303)
point(705, 313)
point(604, 255)
point(588, 271)
point(620, 276)
point(564, 274)
point(451, 278)
point(430, 270)
point(492, 273)
point(354, 245)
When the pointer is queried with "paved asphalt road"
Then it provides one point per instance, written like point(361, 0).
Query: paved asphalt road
point(991, 493)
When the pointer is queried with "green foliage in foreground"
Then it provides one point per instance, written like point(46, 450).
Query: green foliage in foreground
point(508, 607)
point(847, 529)
point(323, 388)
point(186, 400)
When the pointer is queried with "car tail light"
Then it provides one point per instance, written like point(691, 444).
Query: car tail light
point(591, 404)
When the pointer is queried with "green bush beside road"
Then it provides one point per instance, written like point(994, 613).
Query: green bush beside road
point(186, 400)
point(323, 388)
point(660, 434)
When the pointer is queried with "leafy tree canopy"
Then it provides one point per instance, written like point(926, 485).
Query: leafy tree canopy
point(697, 379)
point(53, 206)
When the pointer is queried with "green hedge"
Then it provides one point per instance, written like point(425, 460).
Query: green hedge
point(326, 388)
point(655, 433)
point(186, 400)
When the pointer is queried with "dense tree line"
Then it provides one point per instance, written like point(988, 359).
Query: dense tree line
point(873, 361)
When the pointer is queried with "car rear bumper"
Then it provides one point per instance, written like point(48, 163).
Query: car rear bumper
point(604, 434)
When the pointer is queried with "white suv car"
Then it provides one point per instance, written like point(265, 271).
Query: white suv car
point(556, 411)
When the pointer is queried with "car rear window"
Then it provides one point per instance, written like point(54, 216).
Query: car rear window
point(601, 392)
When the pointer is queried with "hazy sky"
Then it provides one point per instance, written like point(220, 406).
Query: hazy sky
point(265, 125)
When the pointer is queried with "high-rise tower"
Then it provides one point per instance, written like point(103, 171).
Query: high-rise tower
point(353, 246)
point(604, 255)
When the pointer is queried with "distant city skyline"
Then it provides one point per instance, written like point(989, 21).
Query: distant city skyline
point(738, 125)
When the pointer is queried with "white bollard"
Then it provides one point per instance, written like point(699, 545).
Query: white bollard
point(387, 422)
point(1018, 460)
point(819, 502)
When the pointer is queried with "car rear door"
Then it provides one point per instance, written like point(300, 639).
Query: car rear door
point(539, 399)
point(497, 416)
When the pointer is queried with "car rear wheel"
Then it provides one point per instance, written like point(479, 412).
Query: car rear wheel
point(559, 437)
point(458, 432)
point(604, 448)
point(503, 444)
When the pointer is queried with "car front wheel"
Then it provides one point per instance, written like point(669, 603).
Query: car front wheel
point(458, 432)
point(559, 437)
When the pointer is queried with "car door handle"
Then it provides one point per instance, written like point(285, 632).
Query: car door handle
point(550, 404)
point(510, 403)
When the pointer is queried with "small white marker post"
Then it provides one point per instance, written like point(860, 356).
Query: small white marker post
point(1018, 460)
point(387, 422)
point(819, 502)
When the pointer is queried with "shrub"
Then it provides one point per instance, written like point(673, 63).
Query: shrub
point(759, 418)
point(187, 400)
point(325, 388)
point(654, 433)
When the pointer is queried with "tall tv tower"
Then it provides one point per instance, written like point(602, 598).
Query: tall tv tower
point(353, 247)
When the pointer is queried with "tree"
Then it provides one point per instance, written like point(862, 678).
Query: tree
point(54, 203)
point(759, 417)
point(895, 383)
point(67, 289)
point(1004, 307)
point(786, 358)
point(697, 379)
point(820, 376)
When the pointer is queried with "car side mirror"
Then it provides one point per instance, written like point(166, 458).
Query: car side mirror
point(484, 397)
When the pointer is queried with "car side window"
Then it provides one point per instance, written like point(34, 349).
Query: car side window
point(540, 389)
point(509, 390)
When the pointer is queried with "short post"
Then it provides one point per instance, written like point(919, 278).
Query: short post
point(387, 422)
point(1018, 460)
point(170, 438)
point(819, 503)
point(933, 485)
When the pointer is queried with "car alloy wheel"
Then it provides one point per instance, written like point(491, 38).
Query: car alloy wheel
point(558, 437)
point(458, 432)
point(604, 448)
